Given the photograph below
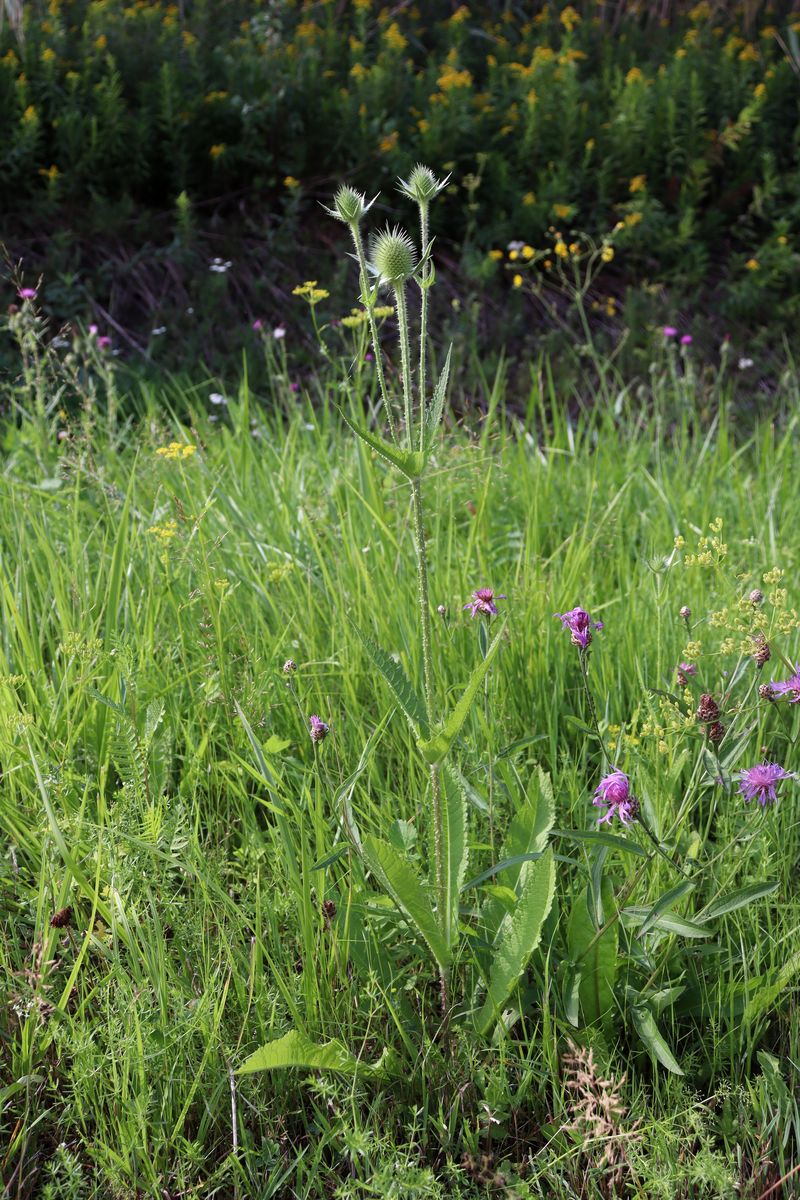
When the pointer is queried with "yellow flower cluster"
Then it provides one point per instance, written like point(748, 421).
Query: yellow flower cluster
point(710, 550)
point(176, 450)
point(310, 291)
point(164, 532)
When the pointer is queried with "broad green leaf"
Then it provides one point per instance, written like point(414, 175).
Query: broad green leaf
point(597, 963)
point(525, 840)
point(648, 1031)
point(665, 922)
point(436, 747)
point(505, 864)
point(601, 839)
point(734, 900)
point(296, 1049)
point(518, 937)
point(411, 894)
point(454, 849)
point(395, 676)
point(664, 903)
point(410, 463)
point(436, 409)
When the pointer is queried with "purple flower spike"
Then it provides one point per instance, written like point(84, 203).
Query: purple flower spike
point(759, 783)
point(615, 791)
point(580, 625)
point(317, 729)
point(788, 687)
point(669, 331)
point(483, 602)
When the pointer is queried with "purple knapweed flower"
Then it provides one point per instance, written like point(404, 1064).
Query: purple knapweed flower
point(788, 687)
point(317, 729)
point(683, 671)
point(687, 339)
point(669, 331)
point(580, 625)
point(759, 782)
point(104, 341)
point(258, 325)
point(483, 601)
point(615, 791)
point(27, 293)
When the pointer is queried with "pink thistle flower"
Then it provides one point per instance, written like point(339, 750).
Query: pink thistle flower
point(669, 331)
point(483, 602)
point(614, 790)
point(580, 625)
point(317, 729)
point(104, 341)
point(759, 782)
point(93, 331)
point(258, 325)
point(687, 339)
point(788, 687)
point(27, 293)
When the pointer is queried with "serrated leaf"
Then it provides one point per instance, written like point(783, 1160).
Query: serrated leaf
point(395, 676)
point(597, 963)
point(436, 409)
point(737, 899)
point(648, 1031)
point(410, 463)
point(518, 937)
point(297, 1050)
point(437, 746)
point(454, 849)
point(411, 894)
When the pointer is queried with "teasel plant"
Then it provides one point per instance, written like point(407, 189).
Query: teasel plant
point(479, 952)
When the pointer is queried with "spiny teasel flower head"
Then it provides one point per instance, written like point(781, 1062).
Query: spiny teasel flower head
point(349, 205)
point(394, 256)
point(422, 185)
point(598, 1114)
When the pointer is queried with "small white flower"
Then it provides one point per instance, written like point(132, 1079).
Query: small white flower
point(159, 330)
point(744, 363)
point(220, 265)
point(217, 398)
point(279, 332)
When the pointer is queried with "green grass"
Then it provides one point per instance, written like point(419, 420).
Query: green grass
point(197, 877)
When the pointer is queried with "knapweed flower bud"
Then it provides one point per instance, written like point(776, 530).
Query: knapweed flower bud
point(349, 205)
point(442, 610)
point(762, 653)
point(766, 692)
point(289, 667)
point(716, 733)
point(61, 919)
point(685, 613)
point(422, 185)
point(317, 729)
point(707, 709)
point(394, 256)
point(756, 597)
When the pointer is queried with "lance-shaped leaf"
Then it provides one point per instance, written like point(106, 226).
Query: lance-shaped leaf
point(650, 1034)
point(436, 747)
point(518, 938)
point(595, 957)
point(524, 843)
point(734, 900)
point(410, 463)
point(296, 1049)
point(436, 409)
point(454, 848)
point(411, 894)
point(397, 680)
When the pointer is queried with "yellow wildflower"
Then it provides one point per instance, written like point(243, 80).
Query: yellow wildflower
point(752, 264)
point(495, 255)
point(217, 150)
point(569, 18)
point(394, 38)
point(637, 184)
point(607, 253)
point(528, 252)
point(176, 450)
point(291, 183)
point(528, 199)
point(634, 76)
point(561, 249)
point(517, 281)
point(562, 211)
point(48, 54)
point(389, 142)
